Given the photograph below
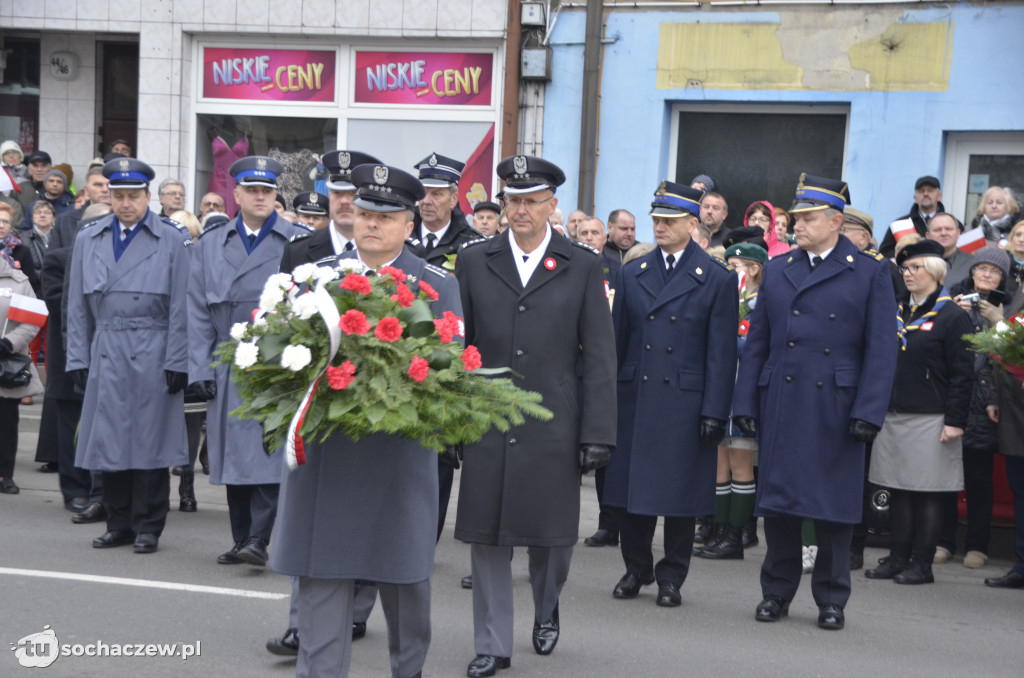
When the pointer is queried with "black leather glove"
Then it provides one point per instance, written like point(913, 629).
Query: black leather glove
point(712, 431)
point(204, 390)
point(79, 378)
point(6, 348)
point(593, 457)
point(748, 425)
point(451, 456)
point(176, 381)
point(862, 431)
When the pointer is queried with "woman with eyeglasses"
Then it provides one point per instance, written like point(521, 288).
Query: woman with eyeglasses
point(761, 213)
point(917, 454)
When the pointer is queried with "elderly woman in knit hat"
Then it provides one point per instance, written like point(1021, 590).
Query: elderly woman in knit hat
point(917, 454)
point(11, 156)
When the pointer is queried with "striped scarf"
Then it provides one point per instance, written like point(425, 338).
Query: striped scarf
point(7, 246)
point(904, 329)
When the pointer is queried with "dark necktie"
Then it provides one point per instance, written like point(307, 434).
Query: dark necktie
point(252, 240)
point(815, 261)
point(525, 257)
point(125, 232)
point(349, 246)
point(671, 261)
point(431, 239)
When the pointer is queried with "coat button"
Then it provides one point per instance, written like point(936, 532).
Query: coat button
point(668, 350)
point(643, 379)
point(828, 351)
point(820, 384)
point(519, 354)
point(511, 441)
point(671, 318)
point(522, 308)
point(789, 379)
point(791, 344)
point(796, 312)
point(666, 380)
point(136, 297)
point(650, 317)
point(132, 358)
point(831, 316)
point(648, 347)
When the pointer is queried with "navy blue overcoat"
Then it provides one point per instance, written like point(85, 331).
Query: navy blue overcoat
point(821, 351)
point(676, 341)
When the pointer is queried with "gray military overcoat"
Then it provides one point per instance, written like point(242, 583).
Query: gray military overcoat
point(127, 324)
point(365, 510)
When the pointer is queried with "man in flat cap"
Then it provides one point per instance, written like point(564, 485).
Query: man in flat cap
point(927, 203)
point(231, 263)
point(442, 227)
point(676, 312)
point(312, 209)
point(366, 510)
point(823, 342)
point(127, 349)
point(534, 302)
point(338, 237)
point(485, 218)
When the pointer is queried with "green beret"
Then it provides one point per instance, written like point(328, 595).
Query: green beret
point(747, 250)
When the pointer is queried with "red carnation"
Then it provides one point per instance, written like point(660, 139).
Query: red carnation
point(744, 327)
point(388, 329)
point(471, 359)
point(448, 326)
point(354, 322)
point(428, 290)
point(340, 377)
point(405, 297)
point(419, 369)
point(397, 274)
point(357, 283)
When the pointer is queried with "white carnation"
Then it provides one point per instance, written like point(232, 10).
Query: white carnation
point(271, 297)
point(350, 265)
point(325, 274)
point(1001, 327)
point(304, 306)
point(295, 357)
point(238, 331)
point(259, 321)
point(246, 354)
point(304, 272)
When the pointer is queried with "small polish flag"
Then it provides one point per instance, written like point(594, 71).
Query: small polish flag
point(972, 240)
point(27, 310)
point(7, 182)
point(902, 227)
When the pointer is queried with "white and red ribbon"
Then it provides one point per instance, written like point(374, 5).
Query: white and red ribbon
point(294, 446)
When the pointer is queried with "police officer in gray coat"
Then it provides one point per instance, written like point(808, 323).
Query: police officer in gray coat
point(535, 302)
point(127, 330)
point(324, 537)
point(230, 265)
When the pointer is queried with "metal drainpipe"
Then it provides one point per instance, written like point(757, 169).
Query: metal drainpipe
point(591, 107)
point(510, 105)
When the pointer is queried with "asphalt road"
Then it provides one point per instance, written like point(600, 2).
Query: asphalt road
point(957, 627)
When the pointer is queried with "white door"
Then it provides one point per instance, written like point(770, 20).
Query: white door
point(977, 160)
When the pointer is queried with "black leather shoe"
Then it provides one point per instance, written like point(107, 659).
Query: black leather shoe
point(77, 504)
point(919, 572)
point(1011, 580)
point(728, 545)
point(358, 630)
point(887, 568)
point(8, 486)
point(254, 552)
point(93, 513)
point(602, 538)
point(705, 528)
point(146, 542)
point(630, 584)
point(487, 665)
point(49, 467)
point(113, 538)
point(231, 557)
point(750, 534)
point(545, 635)
point(856, 561)
point(285, 646)
point(668, 595)
point(467, 582)
point(831, 617)
point(771, 609)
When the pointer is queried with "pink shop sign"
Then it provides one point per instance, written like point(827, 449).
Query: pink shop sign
point(424, 78)
point(268, 74)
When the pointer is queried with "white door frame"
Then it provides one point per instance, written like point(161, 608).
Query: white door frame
point(960, 146)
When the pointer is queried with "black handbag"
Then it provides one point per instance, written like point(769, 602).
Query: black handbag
point(15, 370)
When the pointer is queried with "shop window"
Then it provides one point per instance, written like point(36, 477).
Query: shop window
point(19, 92)
point(758, 152)
point(297, 143)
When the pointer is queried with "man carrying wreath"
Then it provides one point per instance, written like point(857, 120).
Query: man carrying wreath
point(324, 538)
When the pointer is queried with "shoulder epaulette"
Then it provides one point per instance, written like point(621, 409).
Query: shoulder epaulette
point(720, 261)
point(437, 270)
point(584, 246)
point(90, 224)
point(300, 236)
point(182, 228)
point(326, 261)
point(874, 254)
point(304, 227)
point(469, 243)
point(413, 241)
point(211, 229)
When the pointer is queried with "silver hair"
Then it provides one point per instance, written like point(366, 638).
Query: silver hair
point(169, 181)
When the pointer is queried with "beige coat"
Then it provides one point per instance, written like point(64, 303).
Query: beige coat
point(19, 334)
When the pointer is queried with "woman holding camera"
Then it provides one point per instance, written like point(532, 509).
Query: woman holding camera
point(917, 454)
point(983, 296)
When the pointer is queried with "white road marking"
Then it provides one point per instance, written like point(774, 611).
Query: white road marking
point(144, 583)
